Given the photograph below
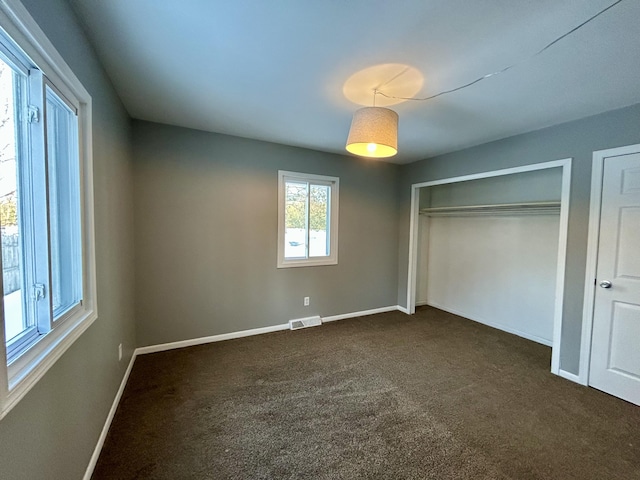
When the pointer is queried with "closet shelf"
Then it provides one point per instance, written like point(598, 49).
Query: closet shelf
point(527, 208)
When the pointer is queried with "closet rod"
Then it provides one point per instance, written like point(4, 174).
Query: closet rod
point(524, 208)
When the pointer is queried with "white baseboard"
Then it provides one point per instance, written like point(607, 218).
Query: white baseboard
point(105, 429)
point(499, 326)
point(362, 313)
point(211, 339)
point(421, 303)
point(403, 309)
point(254, 331)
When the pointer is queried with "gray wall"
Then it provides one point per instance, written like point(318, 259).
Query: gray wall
point(576, 139)
point(52, 432)
point(206, 228)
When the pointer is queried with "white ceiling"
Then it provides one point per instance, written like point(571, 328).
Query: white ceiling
point(275, 70)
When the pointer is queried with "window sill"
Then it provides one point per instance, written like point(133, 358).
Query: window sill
point(32, 365)
point(307, 262)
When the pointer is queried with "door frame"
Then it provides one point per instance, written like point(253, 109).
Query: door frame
point(593, 242)
point(565, 164)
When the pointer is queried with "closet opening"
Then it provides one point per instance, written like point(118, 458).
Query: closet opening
point(491, 247)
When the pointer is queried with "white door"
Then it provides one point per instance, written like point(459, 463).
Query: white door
point(615, 343)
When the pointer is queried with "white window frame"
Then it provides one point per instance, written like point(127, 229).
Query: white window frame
point(24, 372)
point(334, 182)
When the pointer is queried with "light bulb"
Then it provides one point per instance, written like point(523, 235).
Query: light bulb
point(372, 147)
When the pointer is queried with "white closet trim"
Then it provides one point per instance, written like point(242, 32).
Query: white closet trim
point(565, 164)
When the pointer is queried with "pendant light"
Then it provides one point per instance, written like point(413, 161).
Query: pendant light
point(373, 133)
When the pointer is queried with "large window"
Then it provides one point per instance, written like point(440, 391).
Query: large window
point(46, 212)
point(307, 220)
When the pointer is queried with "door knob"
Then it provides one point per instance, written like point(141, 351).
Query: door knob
point(606, 284)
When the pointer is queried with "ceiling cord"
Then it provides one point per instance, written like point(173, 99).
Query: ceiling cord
point(493, 74)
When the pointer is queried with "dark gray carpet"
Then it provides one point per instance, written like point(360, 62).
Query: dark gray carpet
point(387, 396)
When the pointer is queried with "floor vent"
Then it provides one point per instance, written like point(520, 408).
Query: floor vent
point(305, 322)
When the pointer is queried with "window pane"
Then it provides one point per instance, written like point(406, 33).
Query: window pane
point(319, 196)
point(17, 320)
point(64, 208)
point(295, 220)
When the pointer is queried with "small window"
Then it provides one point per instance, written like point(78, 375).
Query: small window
point(307, 220)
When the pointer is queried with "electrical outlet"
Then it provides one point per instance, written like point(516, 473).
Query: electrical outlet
point(119, 352)
point(306, 301)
